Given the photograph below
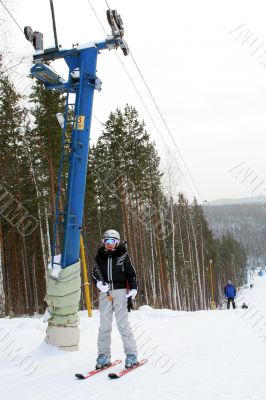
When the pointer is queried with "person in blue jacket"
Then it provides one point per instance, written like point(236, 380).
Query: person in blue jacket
point(230, 294)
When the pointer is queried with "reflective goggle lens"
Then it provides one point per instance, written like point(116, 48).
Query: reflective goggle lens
point(110, 241)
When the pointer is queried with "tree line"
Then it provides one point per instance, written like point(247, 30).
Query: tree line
point(169, 241)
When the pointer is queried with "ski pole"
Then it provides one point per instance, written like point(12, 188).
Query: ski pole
point(130, 305)
point(85, 277)
point(101, 277)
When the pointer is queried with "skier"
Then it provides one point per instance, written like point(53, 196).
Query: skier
point(230, 294)
point(244, 305)
point(112, 270)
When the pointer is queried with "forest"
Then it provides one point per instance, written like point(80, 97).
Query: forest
point(179, 263)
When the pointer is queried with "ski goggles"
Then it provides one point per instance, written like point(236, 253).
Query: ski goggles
point(110, 241)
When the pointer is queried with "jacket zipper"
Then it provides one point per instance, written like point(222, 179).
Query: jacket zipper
point(111, 273)
point(108, 272)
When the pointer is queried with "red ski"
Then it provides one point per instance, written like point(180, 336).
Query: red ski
point(97, 371)
point(127, 370)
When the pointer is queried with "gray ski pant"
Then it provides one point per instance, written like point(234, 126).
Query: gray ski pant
point(119, 307)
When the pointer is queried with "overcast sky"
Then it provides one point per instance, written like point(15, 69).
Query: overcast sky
point(204, 64)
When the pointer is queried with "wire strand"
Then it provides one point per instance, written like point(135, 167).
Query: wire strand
point(153, 121)
point(24, 36)
point(12, 16)
point(165, 124)
point(107, 4)
point(149, 113)
point(98, 19)
point(163, 119)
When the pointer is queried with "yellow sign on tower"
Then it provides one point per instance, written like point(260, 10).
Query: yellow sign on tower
point(80, 122)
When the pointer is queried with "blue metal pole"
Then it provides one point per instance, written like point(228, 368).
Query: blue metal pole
point(81, 61)
point(86, 62)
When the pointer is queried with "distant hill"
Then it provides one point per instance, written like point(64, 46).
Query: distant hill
point(243, 200)
point(246, 220)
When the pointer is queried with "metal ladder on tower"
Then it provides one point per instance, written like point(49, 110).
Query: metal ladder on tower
point(64, 218)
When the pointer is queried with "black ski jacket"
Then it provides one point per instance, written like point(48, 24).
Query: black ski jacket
point(116, 268)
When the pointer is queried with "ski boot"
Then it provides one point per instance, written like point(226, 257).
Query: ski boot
point(102, 361)
point(131, 360)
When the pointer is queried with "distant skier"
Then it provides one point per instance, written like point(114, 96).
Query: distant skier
point(230, 294)
point(244, 305)
point(111, 272)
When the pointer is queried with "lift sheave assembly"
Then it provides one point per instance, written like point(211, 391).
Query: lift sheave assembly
point(45, 74)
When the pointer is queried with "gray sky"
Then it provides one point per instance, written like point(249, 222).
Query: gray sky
point(207, 83)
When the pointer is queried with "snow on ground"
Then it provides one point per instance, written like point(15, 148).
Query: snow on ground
point(205, 355)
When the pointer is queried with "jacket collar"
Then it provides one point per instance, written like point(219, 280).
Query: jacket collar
point(117, 252)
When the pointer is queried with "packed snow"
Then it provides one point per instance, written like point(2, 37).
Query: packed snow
point(204, 355)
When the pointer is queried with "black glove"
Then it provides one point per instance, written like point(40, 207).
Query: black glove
point(130, 305)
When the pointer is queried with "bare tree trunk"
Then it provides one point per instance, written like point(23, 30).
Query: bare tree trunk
point(153, 278)
point(43, 247)
point(190, 261)
point(197, 263)
point(134, 253)
point(182, 252)
point(51, 170)
point(188, 300)
point(35, 291)
point(141, 240)
point(174, 285)
point(25, 282)
point(2, 291)
point(163, 278)
point(203, 270)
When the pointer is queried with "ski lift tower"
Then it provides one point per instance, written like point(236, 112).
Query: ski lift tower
point(63, 287)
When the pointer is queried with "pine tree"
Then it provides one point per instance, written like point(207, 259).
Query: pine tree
point(123, 179)
point(46, 141)
point(19, 226)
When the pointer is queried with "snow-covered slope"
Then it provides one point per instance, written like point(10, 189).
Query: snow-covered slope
point(206, 355)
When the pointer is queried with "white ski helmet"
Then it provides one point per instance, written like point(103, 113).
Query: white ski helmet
point(111, 233)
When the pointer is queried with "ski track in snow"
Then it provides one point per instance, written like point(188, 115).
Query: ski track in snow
point(210, 355)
